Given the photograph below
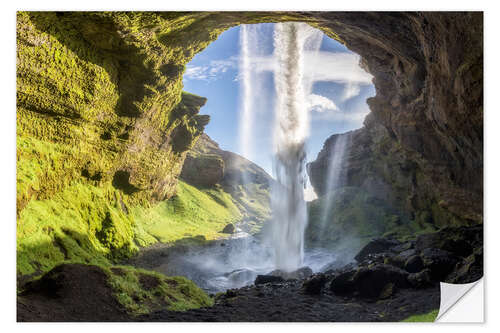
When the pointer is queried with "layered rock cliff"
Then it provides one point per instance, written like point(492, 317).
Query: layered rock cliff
point(208, 166)
point(421, 148)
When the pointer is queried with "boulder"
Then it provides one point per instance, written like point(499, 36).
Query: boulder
point(468, 270)
point(414, 264)
point(314, 284)
point(440, 262)
point(421, 279)
point(379, 281)
point(301, 273)
point(342, 282)
point(376, 246)
point(229, 229)
point(401, 259)
point(263, 279)
point(202, 170)
point(404, 246)
point(459, 241)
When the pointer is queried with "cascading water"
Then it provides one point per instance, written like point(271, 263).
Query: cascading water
point(291, 130)
point(334, 179)
point(247, 76)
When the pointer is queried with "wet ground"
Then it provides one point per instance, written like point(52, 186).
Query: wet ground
point(287, 302)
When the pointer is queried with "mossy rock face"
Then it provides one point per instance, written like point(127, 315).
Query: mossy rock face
point(79, 292)
point(103, 86)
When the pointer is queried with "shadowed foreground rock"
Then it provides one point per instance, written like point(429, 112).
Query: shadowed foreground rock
point(71, 292)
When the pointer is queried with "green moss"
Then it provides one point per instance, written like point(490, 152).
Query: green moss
point(141, 291)
point(426, 317)
point(96, 224)
point(82, 223)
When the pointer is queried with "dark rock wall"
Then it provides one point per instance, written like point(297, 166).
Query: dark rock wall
point(424, 137)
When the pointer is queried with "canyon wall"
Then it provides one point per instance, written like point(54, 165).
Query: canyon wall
point(421, 147)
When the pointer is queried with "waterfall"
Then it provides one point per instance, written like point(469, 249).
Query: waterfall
point(290, 131)
point(333, 178)
point(247, 41)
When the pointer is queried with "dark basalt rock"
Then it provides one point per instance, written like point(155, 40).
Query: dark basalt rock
point(440, 262)
point(421, 279)
point(469, 270)
point(229, 229)
point(71, 292)
point(459, 241)
point(401, 259)
point(301, 273)
point(314, 284)
point(342, 282)
point(377, 281)
point(414, 264)
point(376, 246)
point(373, 281)
point(263, 279)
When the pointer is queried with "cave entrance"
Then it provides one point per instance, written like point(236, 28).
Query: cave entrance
point(336, 101)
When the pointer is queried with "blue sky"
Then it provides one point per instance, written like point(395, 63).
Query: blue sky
point(338, 100)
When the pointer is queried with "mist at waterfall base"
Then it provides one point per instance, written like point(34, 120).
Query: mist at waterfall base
point(236, 262)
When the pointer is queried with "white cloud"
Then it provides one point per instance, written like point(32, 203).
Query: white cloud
point(340, 67)
point(211, 71)
point(320, 103)
point(354, 116)
point(351, 90)
point(309, 194)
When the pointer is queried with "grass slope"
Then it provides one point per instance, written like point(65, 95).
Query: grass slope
point(90, 224)
point(192, 212)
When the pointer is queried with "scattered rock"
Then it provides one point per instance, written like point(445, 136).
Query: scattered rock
point(469, 270)
point(440, 262)
point(342, 282)
point(314, 284)
point(387, 291)
point(421, 279)
point(372, 282)
point(262, 279)
point(231, 293)
point(301, 273)
point(459, 241)
point(375, 246)
point(400, 259)
point(403, 247)
point(414, 264)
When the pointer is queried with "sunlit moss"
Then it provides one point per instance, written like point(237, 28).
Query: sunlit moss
point(426, 317)
point(141, 291)
point(190, 213)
